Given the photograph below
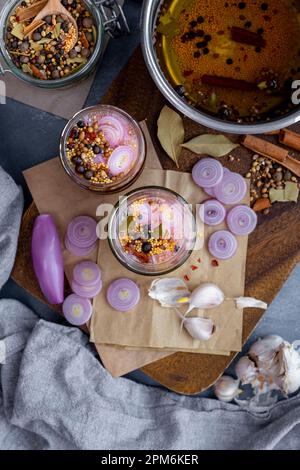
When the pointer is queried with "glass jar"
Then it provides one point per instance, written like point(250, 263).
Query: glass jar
point(152, 231)
point(109, 20)
point(117, 142)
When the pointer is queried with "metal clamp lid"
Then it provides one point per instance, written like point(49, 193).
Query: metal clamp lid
point(115, 21)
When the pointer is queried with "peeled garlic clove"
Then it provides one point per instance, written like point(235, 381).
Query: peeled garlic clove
point(264, 350)
point(170, 292)
point(199, 328)
point(245, 370)
point(226, 388)
point(206, 296)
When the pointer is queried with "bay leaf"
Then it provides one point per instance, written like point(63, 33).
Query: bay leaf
point(277, 195)
point(215, 145)
point(291, 191)
point(170, 132)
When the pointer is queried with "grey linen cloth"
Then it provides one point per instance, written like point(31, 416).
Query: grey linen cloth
point(54, 394)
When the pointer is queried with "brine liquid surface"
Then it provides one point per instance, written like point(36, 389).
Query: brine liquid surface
point(195, 39)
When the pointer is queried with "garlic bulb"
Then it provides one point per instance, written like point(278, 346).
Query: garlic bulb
point(226, 388)
point(264, 350)
point(199, 328)
point(170, 292)
point(289, 358)
point(245, 370)
point(206, 296)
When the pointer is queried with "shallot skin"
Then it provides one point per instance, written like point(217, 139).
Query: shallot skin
point(47, 258)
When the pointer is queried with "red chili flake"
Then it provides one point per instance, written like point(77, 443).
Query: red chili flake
point(242, 17)
point(220, 33)
point(186, 277)
point(214, 263)
point(216, 55)
point(266, 17)
point(193, 267)
point(199, 260)
point(245, 57)
point(187, 73)
point(92, 135)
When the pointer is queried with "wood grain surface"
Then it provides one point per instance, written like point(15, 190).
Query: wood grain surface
point(274, 247)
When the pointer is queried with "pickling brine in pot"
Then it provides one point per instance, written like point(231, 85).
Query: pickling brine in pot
point(234, 60)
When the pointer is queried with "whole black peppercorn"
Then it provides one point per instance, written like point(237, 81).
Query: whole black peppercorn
point(88, 174)
point(229, 61)
point(200, 19)
point(207, 37)
point(80, 169)
point(199, 33)
point(260, 31)
point(258, 49)
point(180, 90)
point(193, 24)
point(146, 247)
point(96, 149)
point(77, 160)
point(205, 51)
point(80, 124)
point(242, 5)
point(264, 6)
point(248, 24)
point(197, 54)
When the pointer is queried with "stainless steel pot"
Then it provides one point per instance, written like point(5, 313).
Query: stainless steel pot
point(148, 22)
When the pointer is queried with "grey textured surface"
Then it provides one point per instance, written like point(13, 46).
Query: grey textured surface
point(30, 136)
point(55, 395)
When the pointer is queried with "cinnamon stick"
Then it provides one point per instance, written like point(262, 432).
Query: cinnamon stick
point(25, 13)
point(245, 36)
point(290, 139)
point(227, 82)
point(273, 152)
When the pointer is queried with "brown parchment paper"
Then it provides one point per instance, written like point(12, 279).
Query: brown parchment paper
point(54, 193)
point(152, 326)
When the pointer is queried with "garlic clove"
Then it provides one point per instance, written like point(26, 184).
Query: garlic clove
point(170, 292)
point(263, 351)
point(206, 296)
point(290, 360)
point(245, 370)
point(226, 388)
point(199, 328)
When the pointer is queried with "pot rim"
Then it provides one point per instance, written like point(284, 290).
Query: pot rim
point(148, 16)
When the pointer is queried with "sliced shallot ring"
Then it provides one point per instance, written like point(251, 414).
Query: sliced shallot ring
point(123, 294)
point(113, 130)
point(76, 251)
point(232, 189)
point(87, 292)
point(211, 191)
point(121, 160)
point(222, 244)
point(77, 310)
point(81, 231)
point(87, 273)
point(242, 220)
point(212, 212)
point(207, 172)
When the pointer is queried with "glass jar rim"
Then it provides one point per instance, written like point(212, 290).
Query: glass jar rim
point(129, 178)
point(113, 214)
point(60, 82)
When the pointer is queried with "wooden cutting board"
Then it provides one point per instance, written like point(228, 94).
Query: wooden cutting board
point(274, 247)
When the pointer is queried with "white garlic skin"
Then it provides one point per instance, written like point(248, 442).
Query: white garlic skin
point(226, 388)
point(290, 361)
point(170, 292)
point(245, 370)
point(206, 296)
point(264, 350)
point(199, 328)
